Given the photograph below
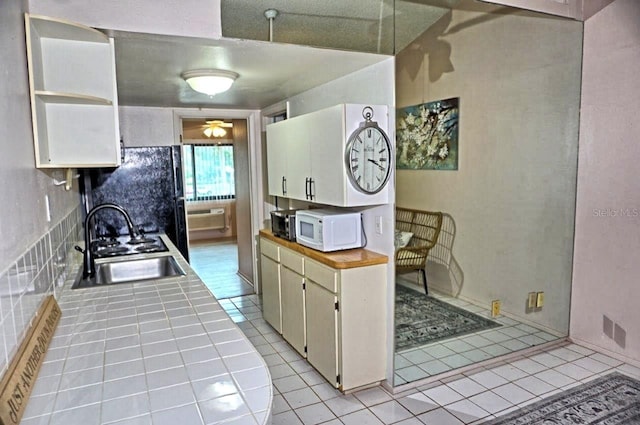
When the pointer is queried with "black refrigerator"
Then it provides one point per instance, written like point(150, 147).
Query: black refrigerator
point(148, 184)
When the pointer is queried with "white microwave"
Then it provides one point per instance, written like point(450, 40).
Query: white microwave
point(329, 230)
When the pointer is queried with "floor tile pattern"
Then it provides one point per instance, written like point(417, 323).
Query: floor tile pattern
point(303, 397)
point(441, 356)
point(217, 265)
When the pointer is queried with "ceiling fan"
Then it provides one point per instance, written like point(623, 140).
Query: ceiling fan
point(216, 128)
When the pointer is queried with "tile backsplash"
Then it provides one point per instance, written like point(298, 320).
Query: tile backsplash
point(31, 277)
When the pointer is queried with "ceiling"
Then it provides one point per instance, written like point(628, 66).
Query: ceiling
point(375, 26)
point(148, 70)
point(348, 36)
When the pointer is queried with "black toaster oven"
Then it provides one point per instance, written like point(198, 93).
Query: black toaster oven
point(283, 224)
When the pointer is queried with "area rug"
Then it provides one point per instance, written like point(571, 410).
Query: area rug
point(610, 400)
point(422, 319)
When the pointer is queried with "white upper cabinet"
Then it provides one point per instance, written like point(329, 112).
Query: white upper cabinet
point(74, 104)
point(306, 156)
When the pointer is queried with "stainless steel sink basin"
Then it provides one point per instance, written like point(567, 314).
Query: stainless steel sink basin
point(123, 271)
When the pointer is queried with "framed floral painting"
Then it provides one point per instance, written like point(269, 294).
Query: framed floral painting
point(427, 136)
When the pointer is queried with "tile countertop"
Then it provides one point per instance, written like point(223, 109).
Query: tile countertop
point(154, 352)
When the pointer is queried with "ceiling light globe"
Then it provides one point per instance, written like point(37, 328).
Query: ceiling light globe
point(218, 132)
point(210, 81)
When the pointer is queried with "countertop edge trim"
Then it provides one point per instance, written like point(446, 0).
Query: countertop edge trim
point(372, 258)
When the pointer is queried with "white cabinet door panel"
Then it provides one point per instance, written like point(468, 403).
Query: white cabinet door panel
point(322, 331)
point(271, 292)
point(293, 309)
point(276, 161)
point(326, 145)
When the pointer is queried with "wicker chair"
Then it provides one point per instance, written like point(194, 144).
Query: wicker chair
point(425, 227)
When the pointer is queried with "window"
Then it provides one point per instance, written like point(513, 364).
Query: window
point(208, 172)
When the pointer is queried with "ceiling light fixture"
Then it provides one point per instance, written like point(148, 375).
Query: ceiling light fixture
point(216, 129)
point(215, 132)
point(210, 81)
point(270, 14)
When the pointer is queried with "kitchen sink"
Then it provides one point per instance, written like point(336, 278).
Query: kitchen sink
point(123, 271)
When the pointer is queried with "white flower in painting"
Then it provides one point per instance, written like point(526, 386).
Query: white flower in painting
point(424, 113)
point(403, 124)
point(443, 152)
point(431, 150)
point(416, 137)
point(410, 119)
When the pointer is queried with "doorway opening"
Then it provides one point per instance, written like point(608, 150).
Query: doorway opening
point(216, 187)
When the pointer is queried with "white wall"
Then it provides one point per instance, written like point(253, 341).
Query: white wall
point(375, 85)
point(22, 210)
point(23, 219)
point(192, 18)
point(607, 243)
point(517, 77)
point(146, 126)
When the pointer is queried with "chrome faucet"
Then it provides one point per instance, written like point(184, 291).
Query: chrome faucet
point(89, 265)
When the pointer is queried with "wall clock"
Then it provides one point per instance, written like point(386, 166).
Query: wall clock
point(368, 156)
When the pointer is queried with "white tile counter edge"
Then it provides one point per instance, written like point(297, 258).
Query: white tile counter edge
point(155, 351)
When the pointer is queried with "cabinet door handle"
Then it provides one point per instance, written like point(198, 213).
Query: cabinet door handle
point(306, 188)
point(284, 185)
point(312, 188)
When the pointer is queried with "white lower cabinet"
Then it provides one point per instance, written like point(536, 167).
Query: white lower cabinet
point(334, 317)
point(293, 309)
point(270, 269)
point(322, 331)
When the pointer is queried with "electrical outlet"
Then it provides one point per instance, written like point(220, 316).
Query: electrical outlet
point(495, 308)
point(539, 299)
point(379, 224)
point(531, 300)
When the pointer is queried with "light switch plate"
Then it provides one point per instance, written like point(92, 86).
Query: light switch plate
point(379, 224)
point(47, 207)
point(539, 299)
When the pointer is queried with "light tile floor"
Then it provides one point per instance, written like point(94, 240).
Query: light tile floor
point(217, 265)
point(302, 396)
point(442, 356)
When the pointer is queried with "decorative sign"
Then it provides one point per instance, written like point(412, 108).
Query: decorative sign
point(17, 383)
point(427, 136)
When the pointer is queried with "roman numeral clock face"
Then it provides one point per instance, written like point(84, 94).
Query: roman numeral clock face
point(368, 158)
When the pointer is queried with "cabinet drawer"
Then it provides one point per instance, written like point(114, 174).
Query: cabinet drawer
point(270, 249)
point(322, 275)
point(292, 261)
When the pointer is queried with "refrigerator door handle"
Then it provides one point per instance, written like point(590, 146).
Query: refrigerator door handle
point(176, 162)
point(178, 180)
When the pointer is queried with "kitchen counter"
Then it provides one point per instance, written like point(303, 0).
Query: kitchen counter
point(156, 351)
point(347, 259)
